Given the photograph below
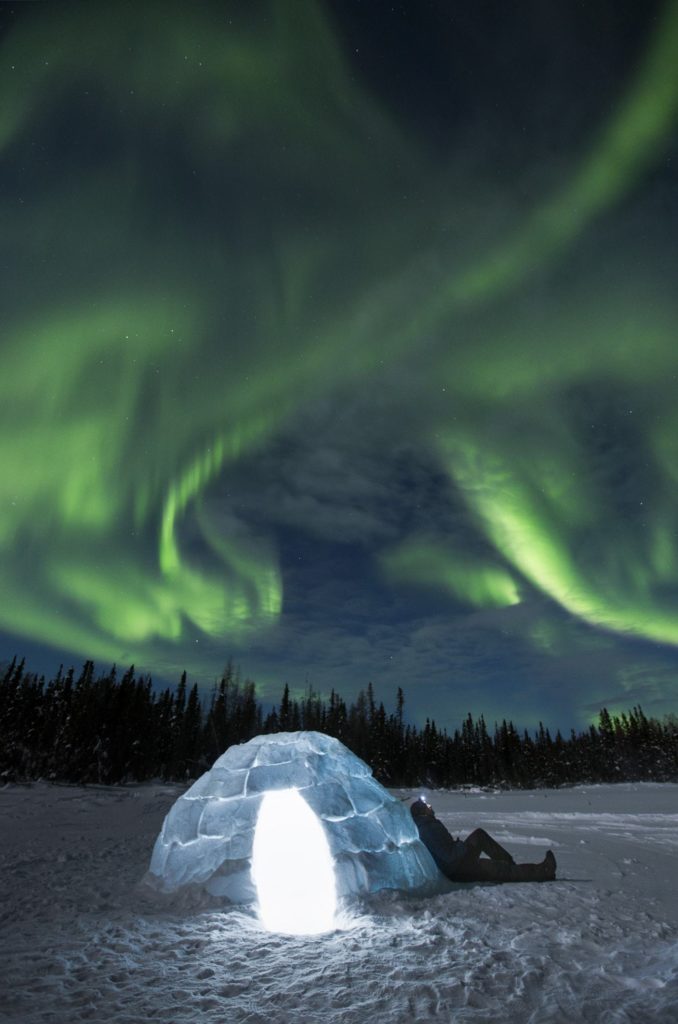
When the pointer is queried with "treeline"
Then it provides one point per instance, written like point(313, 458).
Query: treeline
point(110, 729)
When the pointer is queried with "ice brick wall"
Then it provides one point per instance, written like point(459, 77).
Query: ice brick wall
point(207, 836)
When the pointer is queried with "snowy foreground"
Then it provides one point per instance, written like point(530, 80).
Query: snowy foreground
point(80, 941)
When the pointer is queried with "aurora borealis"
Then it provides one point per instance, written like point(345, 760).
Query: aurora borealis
point(342, 339)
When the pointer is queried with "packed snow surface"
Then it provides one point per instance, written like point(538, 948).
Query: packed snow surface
point(79, 940)
point(208, 835)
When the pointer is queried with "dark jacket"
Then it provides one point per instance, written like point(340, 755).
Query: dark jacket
point(447, 852)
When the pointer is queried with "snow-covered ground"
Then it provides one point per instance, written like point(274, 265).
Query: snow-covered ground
point(79, 941)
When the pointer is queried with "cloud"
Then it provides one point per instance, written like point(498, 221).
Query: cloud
point(277, 376)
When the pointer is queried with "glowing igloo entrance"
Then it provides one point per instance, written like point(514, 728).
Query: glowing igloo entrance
point(292, 867)
point(208, 837)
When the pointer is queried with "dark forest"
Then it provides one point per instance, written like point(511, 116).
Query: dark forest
point(108, 729)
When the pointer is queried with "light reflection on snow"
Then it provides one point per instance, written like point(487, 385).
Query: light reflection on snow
point(599, 945)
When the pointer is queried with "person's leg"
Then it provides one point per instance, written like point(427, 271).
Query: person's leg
point(481, 841)
point(486, 870)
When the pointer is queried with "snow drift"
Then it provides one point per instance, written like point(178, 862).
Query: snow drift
point(207, 837)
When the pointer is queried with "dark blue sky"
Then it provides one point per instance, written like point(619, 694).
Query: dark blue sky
point(339, 339)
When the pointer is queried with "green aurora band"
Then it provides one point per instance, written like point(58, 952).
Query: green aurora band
point(159, 328)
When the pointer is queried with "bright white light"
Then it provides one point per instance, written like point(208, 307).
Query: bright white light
point(292, 867)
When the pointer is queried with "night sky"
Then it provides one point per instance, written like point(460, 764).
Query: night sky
point(341, 339)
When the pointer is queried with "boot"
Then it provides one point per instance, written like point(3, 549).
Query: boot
point(544, 872)
point(549, 865)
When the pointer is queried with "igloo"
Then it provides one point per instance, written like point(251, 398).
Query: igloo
point(208, 837)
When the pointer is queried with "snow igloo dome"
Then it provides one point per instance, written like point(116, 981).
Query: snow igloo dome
point(209, 837)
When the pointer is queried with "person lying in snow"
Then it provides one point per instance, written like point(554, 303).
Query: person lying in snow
point(460, 859)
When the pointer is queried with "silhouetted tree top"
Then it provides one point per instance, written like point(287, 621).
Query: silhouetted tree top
point(98, 728)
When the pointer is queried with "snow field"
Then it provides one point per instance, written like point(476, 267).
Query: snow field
point(79, 940)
